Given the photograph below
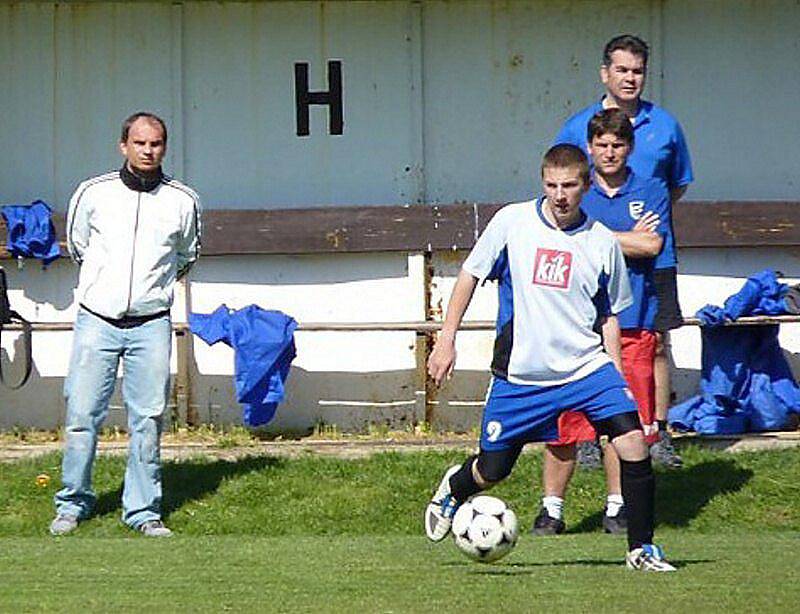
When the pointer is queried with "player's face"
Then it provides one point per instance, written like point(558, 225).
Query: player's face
point(609, 154)
point(145, 148)
point(624, 77)
point(563, 188)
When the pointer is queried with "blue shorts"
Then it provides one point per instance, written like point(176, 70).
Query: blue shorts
point(517, 414)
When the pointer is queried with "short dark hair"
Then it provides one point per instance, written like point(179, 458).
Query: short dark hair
point(626, 42)
point(567, 156)
point(610, 121)
point(151, 117)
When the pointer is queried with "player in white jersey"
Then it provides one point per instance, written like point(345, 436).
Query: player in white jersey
point(561, 280)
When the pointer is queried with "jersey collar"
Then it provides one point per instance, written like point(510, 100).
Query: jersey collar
point(642, 114)
point(624, 188)
point(569, 229)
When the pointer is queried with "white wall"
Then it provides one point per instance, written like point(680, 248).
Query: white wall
point(443, 102)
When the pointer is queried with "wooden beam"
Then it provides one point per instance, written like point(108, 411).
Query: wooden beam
point(416, 228)
point(737, 224)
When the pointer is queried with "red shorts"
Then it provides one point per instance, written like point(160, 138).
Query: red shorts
point(638, 354)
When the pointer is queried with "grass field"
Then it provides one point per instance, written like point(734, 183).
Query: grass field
point(329, 535)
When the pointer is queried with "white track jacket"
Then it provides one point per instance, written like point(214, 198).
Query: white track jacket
point(132, 242)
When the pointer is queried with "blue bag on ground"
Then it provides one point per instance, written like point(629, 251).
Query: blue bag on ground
point(746, 383)
point(30, 231)
point(263, 344)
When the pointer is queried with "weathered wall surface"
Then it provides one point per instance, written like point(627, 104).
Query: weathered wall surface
point(442, 102)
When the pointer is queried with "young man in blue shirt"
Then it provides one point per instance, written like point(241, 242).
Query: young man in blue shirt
point(637, 210)
point(661, 152)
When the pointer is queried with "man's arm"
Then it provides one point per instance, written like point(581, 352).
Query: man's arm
point(77, 225)
point(675, 194)
point(443, 358)
point(611, 340)
point(642, 241)
point(189, 241)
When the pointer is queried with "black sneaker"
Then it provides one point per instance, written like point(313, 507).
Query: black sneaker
point(589, 455)
point(663, 452)
point(616, 525)
point(545, 524)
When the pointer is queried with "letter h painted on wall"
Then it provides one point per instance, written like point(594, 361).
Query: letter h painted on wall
point(333, 97)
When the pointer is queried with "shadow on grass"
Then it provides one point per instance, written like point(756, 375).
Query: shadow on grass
point(187, 480)
point(682, 494)
point(521, 569)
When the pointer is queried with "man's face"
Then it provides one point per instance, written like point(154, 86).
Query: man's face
point(564, 188)
point(624, 77)
point(145, 148)
point(609, 154)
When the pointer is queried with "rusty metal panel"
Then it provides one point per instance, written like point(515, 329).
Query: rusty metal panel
point(242, 148)
point(112, 59)
point(731, 77)
point(500, 78)
point(27, 130)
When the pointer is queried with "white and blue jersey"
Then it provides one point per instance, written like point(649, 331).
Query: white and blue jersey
point(620, 212)
point(659, 151)
point(554, 285)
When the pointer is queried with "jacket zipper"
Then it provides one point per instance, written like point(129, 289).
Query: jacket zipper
point(133, 252)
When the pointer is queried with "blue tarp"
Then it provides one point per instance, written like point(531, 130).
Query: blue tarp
point(746, 384)
point(263, 344)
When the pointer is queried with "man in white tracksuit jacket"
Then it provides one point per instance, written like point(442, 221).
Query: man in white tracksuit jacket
point(133, 232)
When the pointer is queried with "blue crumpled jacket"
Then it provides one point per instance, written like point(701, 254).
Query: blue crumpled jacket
point(30, 231)
point(762, 294)
point(263, 344)
point(746, 383)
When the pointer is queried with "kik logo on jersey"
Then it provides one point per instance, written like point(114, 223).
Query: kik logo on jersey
point(552, 268)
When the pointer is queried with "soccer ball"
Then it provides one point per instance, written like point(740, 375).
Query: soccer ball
point(485, 529)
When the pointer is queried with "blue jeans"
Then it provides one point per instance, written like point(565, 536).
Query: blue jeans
point(96, 350)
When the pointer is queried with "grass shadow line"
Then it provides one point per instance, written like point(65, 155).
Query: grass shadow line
point(189, 480)
point(681, 494)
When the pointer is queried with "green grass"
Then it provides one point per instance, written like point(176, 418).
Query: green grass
point(323, 534)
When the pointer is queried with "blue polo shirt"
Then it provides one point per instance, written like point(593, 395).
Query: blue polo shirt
point(619, 213)
point(659, 151)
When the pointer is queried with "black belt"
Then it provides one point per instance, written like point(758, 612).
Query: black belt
point(127, 321)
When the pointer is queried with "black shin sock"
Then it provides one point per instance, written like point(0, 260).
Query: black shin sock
point(462, 484)
point(638, 490)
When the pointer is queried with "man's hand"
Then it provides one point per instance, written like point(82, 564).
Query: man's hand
point(647, 223)
point(442, 359)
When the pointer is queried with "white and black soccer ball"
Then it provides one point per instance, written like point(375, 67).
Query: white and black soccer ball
point(485, 528)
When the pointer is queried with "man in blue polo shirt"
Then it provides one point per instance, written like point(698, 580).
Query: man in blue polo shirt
point(637, 210)
point(661, 152)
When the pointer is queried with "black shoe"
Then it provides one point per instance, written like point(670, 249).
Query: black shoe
point(545, 524)
point(616, 525)
point(589, 455)
point(663, 452)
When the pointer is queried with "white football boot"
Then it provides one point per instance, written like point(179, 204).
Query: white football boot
point(440, 511)
point(648, 558)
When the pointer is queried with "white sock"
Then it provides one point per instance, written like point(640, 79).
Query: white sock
point(613, 504)
point(554, 506)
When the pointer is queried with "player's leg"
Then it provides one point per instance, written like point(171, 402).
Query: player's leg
point(145, 389)
point(460, 482)
point(638, 352)
point(88, 387)
point(615, 518)
point(558, 467)
point(613, 413)
point(513, 414)
point(668, 317)
point(559, 460)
